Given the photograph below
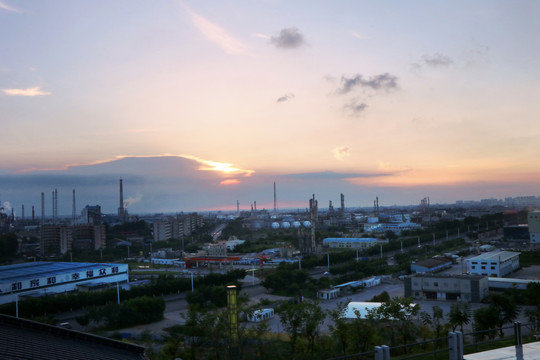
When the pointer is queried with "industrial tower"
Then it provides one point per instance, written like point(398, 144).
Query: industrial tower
point(121, 210)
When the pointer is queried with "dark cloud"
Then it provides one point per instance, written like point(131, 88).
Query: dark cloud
point(288, 38)
point(437, 59)
point(355, 107)
point(285, 97)
point(385, 82)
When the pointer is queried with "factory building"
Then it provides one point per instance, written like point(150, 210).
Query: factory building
point(469, 288)
point(45, 278)
point(494, 263)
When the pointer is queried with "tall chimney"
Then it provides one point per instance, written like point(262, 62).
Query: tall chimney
point(33, 214)
point(121, 211)
point(22, 213)
point(74, 208)
point(42, 208)
point(275, 199)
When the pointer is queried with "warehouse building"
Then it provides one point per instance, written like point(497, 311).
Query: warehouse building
point(494, 263)
point(469, 288)
point(43, 278)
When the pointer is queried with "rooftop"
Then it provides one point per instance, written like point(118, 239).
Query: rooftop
point(25, 339)
point(35, 269)
point(495, 255)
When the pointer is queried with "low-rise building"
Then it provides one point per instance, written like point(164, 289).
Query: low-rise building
point(469, 288)
point(41, 278)
point(431, 265)
point(534, 227)
point(494, 263)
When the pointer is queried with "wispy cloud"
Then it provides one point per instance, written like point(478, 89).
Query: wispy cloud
point(335, 175)
point(285, 97)
point(288, 38)
point(219, 36)
point(34, 91)
point(341, 153)
point(437, 59)
point(4, 6)
point(359, 36)
point(355, 107)
point(385, 82)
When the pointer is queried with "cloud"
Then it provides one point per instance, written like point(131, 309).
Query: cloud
point(285, 97)
point(437, 59)
point(219, 36)
point(341, 153)
point(4, 6)
point(359, 36)
point(355, 107)
point(229, 182)
point(288, 38)
point(385, 82)
point(209, 165)
point(331, 175)
point(35, 91)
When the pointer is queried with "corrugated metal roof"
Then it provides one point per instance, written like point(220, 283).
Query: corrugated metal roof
point(34, 269)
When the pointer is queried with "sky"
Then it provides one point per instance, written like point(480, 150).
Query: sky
point(198, 104)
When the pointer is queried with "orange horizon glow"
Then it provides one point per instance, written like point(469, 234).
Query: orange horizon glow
point(230, 182)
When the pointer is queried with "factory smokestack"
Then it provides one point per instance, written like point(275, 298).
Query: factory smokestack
point(275, 199)
point(22, 213)
point(74, 208)
point(121, 210)
point(42, 208)
point(33, 214)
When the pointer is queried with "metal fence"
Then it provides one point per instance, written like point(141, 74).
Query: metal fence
point(455, 345)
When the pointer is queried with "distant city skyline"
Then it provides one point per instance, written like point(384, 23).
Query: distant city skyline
point(199, 104)
point(178, 184)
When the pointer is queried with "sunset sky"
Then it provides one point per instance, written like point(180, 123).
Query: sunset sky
point(396, 99)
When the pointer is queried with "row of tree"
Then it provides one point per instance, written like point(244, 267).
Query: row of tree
point(162, 285)
point(397, 322)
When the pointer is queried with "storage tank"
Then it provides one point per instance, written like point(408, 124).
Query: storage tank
point(307, 223)
point(275, 225)
point(285, 225)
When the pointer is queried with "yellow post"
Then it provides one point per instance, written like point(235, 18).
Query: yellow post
point(233, 312)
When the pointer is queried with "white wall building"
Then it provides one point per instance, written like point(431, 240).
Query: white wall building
point(494, 263)
point(534, 227)
point(41, 278)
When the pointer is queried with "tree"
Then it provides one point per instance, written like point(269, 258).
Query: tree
point(8, 245)
point(434, 320)
point(485, 319)
point(302, 320)
point(505, 308)
point(459, 315)
point(340, 326)
point(400, 311)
